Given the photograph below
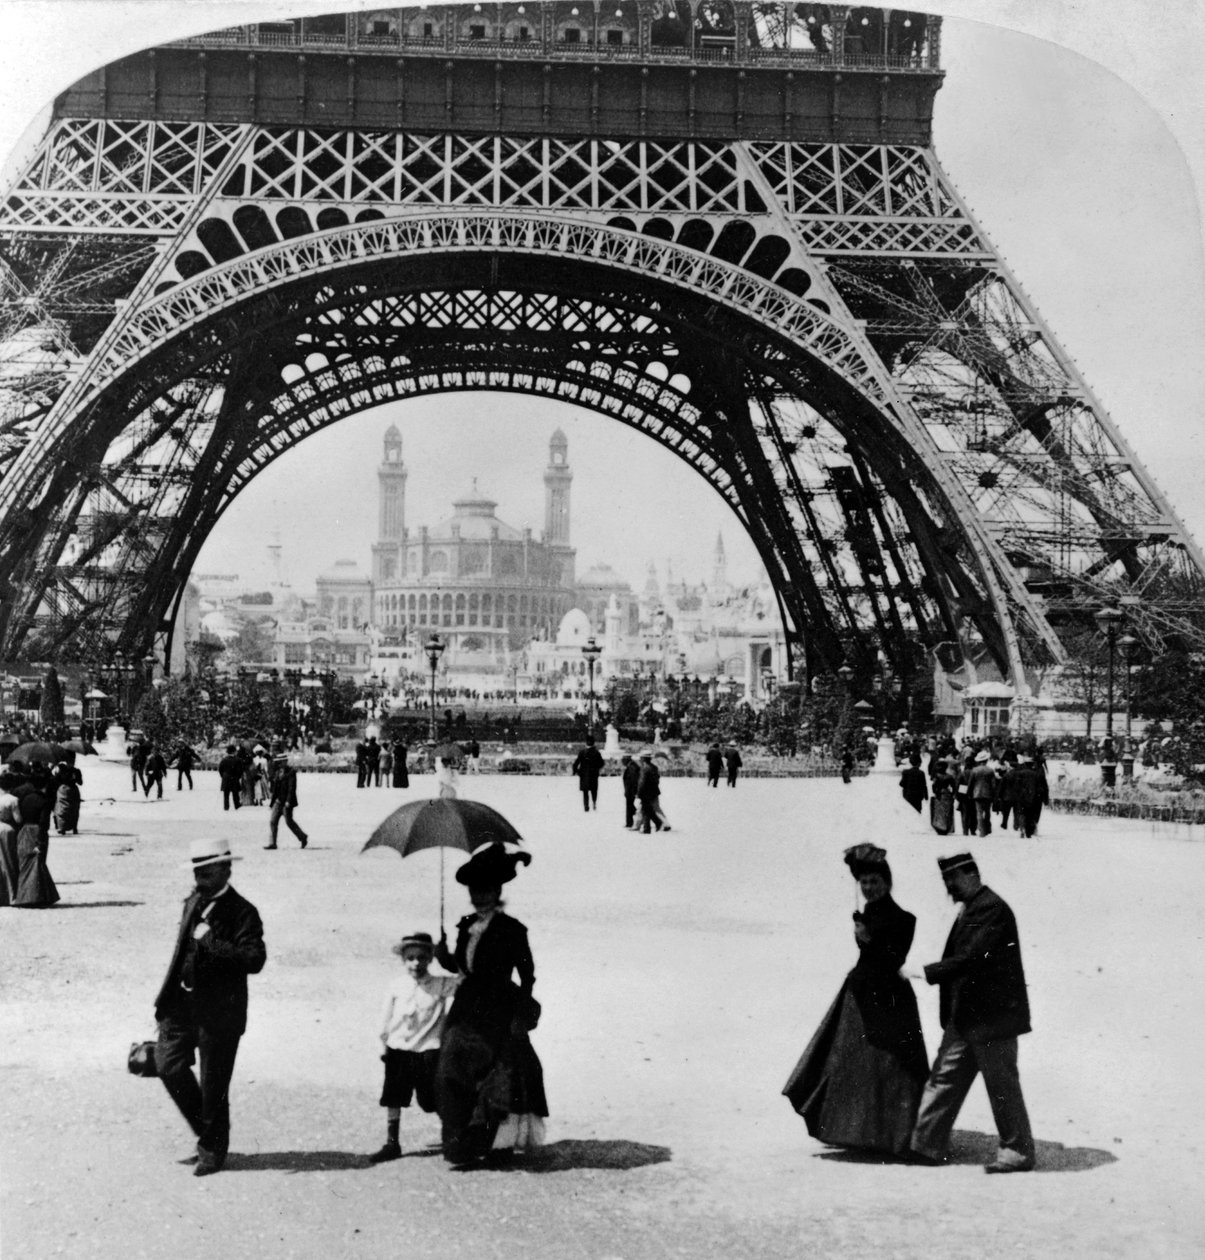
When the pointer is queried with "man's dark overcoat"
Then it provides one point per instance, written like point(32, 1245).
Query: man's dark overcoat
point(982, 981)
point(587, 765)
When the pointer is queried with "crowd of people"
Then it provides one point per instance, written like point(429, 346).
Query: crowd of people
point(979, 782)
point(33, 795)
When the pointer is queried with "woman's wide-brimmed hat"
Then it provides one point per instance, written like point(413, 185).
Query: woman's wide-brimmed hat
point(415, 940)
point(867, 859)
point(491, 865)
point(207, 851)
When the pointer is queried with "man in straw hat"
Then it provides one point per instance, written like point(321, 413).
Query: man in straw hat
point(984, 1009)
point(202, 1006)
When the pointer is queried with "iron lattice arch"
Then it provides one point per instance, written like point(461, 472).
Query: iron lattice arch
point(635, 350)
point(909, 447)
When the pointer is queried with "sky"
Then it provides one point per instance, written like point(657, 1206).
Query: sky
point(1075, 131)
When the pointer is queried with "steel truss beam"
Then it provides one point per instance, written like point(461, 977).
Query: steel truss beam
point(910, 450)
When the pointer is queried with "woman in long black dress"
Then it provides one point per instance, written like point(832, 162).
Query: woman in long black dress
point(489, 1084)
point(67, 781)
point(859, 1081)
point(401, 772)
point(35, 888)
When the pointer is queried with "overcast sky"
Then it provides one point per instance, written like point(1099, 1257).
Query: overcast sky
point(1082, 175)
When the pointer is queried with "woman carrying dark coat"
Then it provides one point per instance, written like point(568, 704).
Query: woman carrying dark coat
point(860, 1079)
point(489, 1085)
point(68, 781)
point(35, 887)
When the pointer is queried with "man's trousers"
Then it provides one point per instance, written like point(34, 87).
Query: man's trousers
point(204, 1104)
point(279, 810)
point(957, 1064)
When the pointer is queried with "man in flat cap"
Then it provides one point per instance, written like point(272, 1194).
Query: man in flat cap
point(984, 1009)
point(202, 1006)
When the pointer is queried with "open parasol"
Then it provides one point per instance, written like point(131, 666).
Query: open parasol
point(47, 754)
point(445, 823)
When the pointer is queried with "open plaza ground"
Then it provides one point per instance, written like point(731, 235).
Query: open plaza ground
point(681, 975)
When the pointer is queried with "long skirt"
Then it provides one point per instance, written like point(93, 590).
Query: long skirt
point(10, 864)
point(35, 888)
point(486, 1091)
point(851, 1093)
point(941, 814)
point(66, 808)
point(401, 777)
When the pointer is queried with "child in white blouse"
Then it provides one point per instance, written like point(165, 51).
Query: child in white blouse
point(416, 1007)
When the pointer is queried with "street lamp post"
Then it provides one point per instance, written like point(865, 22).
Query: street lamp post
point(1108, 619)
point(1127, 643)
point(434, 648)
point(591, 651)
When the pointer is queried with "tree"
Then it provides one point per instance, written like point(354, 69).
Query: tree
point(253, 645)
point(1082, 678)
point(202, 653)
point(188, 711)
point(243, 714)
point(51, 711)
point(150, 718)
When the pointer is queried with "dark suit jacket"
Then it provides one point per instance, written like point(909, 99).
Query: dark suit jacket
point(631, 777)
point(230, 771)
point(982, 981)
point(283, 787)
point(233, 950)
point(488, 998)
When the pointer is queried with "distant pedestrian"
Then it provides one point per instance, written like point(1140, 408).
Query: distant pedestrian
point(401, 772)
point(386, 775)
point(283, 796)
point(416, 1010)
point(1029, 793)
point(847, 765)
point(474, 765)
point(631, 777)
point(137, 764)
point(154, 772)
point(587, 765)
point(184, 761)
point(261, 775)
point(715, 765)
point(732, 759)
point(361, 763)
point(914, 787)
point(982, 782)
point(372, 763)
point(648, 792)
point(68, 780)
point(984, 1009)
point(230, 774)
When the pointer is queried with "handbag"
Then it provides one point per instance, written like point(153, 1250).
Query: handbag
point(141, 1059)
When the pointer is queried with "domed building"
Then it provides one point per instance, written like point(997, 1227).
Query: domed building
point(485, 586)
point(594, 591)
